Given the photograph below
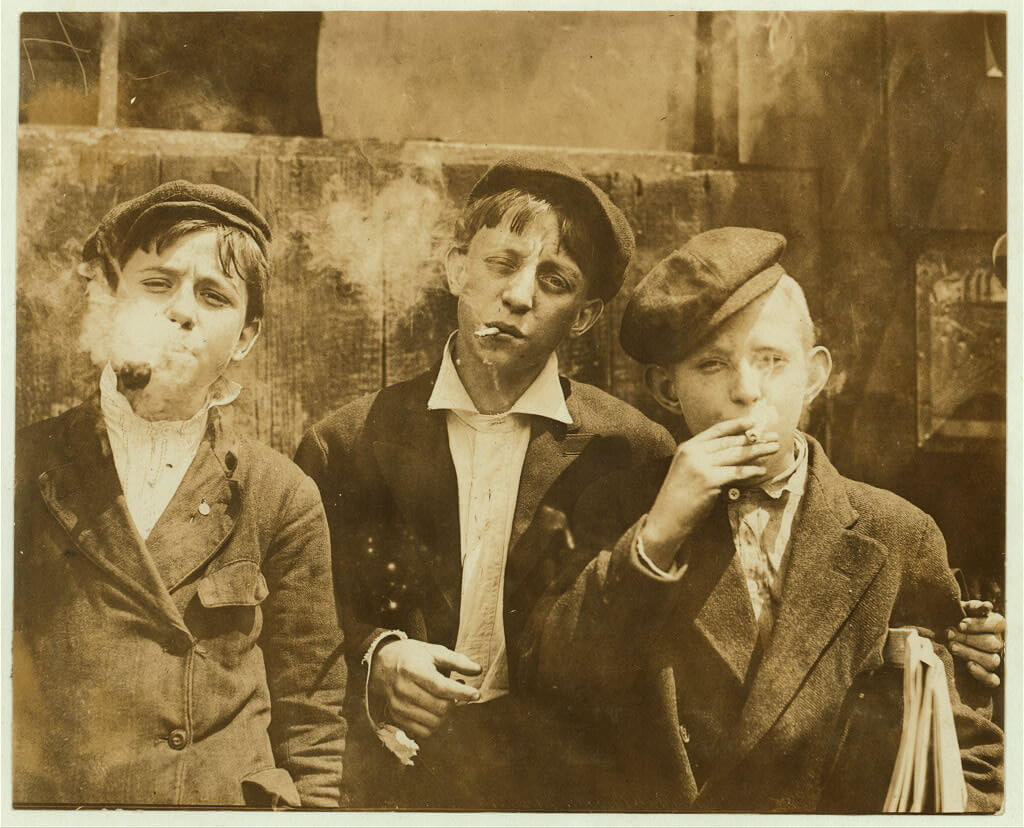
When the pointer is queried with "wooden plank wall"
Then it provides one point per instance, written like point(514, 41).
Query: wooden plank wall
point(358, 296)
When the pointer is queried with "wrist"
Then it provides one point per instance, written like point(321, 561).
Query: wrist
point(659, 547)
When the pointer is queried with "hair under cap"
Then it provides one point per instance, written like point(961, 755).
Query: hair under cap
point(687, 295)
point(553, 180)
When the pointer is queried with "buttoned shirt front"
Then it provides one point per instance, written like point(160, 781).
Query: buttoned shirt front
point(488, 451)
point(761, 519)
point(152, 456)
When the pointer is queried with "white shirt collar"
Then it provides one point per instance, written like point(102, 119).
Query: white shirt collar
point(543, 398)
point(117, 409)
point(794, 478)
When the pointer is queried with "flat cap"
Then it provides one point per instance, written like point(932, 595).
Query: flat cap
point(555, 181)
point(185, 199)
point(688, 294)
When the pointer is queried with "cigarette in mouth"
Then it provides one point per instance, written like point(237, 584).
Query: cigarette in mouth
point(486, 331)
point(762, 413)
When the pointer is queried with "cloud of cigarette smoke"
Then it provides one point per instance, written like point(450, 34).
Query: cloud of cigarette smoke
point(390, 244)
point(137, 337)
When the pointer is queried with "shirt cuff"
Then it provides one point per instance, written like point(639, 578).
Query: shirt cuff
point(393, 738)
point(674, 573)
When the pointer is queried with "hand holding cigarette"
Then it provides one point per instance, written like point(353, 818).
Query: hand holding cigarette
point(702, 466)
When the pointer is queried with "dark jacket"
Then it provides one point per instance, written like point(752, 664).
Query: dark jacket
point(199, 667)
point(389, 486)
point(704, 719)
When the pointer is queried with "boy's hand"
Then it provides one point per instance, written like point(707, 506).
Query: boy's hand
point(980, 640)
point(701, 467)
point(412, 678)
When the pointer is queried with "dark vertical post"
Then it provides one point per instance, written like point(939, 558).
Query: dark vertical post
point(724, 83)
point(109, 46)
point(703, 110)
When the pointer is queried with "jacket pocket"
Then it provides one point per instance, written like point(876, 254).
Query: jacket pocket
point(270, 788)
point(238, 584)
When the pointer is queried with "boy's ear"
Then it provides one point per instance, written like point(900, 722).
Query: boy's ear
point(246, 339)
point(819, 369)
point(455, 269)
point(587, 317)
point(659, 382)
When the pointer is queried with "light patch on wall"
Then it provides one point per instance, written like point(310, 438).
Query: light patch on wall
point(390, 245)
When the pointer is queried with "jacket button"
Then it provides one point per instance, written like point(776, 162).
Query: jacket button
point(734, 493)
point(684, 734)
point(177, 739)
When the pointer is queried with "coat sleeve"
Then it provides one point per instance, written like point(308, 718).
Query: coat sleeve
point(329, 467)
point(589, 631)
point(302, 645)
point(929, 597)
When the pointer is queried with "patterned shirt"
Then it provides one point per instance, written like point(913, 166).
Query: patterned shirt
point(761, 518)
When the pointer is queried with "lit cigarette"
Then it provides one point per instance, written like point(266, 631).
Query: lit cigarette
point(762, 413)
point(486, 331)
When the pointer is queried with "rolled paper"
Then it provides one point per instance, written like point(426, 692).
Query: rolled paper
point(133, 376)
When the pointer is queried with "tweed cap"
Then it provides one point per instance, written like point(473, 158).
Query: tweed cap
point(688, 294)
point(185, 199)
point(556, 181)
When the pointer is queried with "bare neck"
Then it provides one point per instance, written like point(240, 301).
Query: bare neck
point(493, 388)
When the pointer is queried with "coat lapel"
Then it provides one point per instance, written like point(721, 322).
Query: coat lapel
point(715, 595)
point(416, 464)
point(830, 567)
point(189, 533)
point(84, 495)
point(553, 447)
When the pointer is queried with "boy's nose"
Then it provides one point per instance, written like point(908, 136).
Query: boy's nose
point(181, 309)
point(517, 294)
point(746, 386)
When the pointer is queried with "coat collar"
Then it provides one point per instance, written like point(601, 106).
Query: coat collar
point(830, 568)
point(84, 495)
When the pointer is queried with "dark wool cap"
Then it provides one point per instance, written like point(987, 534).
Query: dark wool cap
point(185, 199)
point(553, 180)
point(687, 295)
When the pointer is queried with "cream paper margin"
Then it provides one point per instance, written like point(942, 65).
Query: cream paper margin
point(10, 63)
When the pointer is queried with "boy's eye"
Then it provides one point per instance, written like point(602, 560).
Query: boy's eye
point(215, 298)
point(708, 366)
point(156, 285)
point(502, 263)
point(555, 283)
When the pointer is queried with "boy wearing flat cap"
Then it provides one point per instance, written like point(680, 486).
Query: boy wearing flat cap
point(443, 494)
point(742, 589)
point(176, 640)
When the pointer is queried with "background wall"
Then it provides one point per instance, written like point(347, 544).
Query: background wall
point(875, 142)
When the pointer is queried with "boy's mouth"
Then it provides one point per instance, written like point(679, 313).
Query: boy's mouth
point(496, 328)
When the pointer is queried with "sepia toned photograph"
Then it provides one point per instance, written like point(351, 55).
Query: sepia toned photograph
point(459, 412)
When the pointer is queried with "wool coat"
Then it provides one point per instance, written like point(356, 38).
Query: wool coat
point(706, 718)
point(201, 666)
point(389, 486)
